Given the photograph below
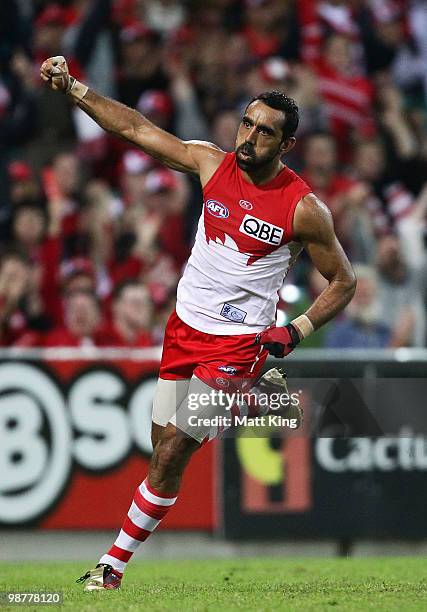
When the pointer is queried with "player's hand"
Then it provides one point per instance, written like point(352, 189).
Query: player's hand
point(279, 341)
point(55, 72)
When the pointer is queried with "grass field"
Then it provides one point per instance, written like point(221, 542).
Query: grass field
point(239, 584)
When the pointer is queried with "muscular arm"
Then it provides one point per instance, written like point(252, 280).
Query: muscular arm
point(201, 158)
point(314, 228)
point(186, 156)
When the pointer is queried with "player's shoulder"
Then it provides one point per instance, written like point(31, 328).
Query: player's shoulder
point(313, 207)
point(205, 149)
point(312, 217)
point(208, 157)
point(203, 144)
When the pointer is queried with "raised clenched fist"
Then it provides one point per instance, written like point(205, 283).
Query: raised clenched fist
point(55, 71)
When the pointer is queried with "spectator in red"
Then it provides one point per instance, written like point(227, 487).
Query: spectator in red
point(37, 233)
point(132, 317)
point(151, 245)
point(102, 224)
point(54, 118)
point(133, 169)
point(342, 193)
point(391, 201)
point(49, 30)
point(320, 169)
point(24, 187)
point(28, 227)
point(166, 196)
point(141, 63)
point(347, 95)
point(156, 105)
point(15, 275)
point(124, 262)
point(384, 31)
point(75, 275)
point(317, 19)
point(82, 318)
point(264, 19)
point(78, 274)
point(62, 183)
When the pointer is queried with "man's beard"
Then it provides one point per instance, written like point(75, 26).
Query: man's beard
point(252, 162)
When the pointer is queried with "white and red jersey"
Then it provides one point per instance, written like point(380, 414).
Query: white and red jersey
point(242, 252)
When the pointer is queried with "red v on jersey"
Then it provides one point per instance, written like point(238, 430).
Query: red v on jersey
point(268, 225)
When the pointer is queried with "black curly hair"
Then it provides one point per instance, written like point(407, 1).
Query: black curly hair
point(280, 101)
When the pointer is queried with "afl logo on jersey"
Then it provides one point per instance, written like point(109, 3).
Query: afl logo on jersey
point(246, 205)
point(227, 369)
point(216, 209)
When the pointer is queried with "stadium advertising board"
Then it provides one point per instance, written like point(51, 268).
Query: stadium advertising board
point(319, 484)
point(75, 441)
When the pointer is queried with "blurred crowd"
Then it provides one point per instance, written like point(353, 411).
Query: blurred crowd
point(95, 234)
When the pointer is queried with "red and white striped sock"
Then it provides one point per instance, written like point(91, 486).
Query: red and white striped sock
point(147, 510)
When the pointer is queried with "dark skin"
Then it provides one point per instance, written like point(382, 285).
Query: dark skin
point(260, 143)
point(260, 146)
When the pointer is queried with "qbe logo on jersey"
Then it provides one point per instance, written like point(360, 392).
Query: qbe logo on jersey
point(217, 209)
point(261, 230)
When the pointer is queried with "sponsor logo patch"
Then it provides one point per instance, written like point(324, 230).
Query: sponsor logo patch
point(261, 230)
point(228, 370)
point(217, 209)
point(246, 205)
point(222, 381)
point(232, 313)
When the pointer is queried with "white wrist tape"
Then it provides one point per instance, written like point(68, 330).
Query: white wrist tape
point(303, 325)
point(76, 89)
